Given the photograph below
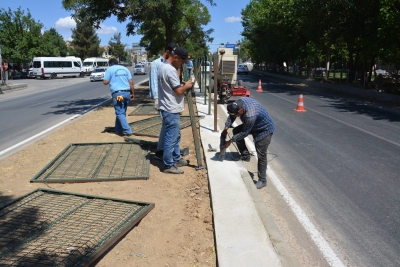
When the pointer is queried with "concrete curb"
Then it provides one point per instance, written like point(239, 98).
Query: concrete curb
point(6, 88)
point(279, 243)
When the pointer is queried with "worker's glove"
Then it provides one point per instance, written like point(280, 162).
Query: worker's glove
point(224, 133)
point(120, 98)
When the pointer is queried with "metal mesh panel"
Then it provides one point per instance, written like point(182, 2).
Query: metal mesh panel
point(97, 162)
point(228, 67)
point(152, 126)
point(145, 109)
point(53, 228)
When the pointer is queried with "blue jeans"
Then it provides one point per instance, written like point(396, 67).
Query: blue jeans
point(261, 149)
point(171, 124)
point(121, 124)
point(161, 138)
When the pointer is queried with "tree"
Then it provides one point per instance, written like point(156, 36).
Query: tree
point(85, 41)
point(53, 44)
point(20, 36)
point(159, 21)
point(116, 48)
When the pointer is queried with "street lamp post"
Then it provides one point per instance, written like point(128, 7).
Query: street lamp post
point(238, 42)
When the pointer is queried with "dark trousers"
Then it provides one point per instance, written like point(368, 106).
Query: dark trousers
point(261, 149)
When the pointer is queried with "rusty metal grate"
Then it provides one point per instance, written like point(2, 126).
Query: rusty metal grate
point(93, 162)
point(144, 109)
point(152, 126)
point(54, 228)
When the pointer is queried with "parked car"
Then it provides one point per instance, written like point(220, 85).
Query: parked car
point(97, 74)
point(139, 69)
point(242, 68)
point(382, 72)
point(205, 66)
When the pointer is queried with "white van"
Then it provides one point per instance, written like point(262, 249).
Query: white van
point(52, 67)
point(91, 63)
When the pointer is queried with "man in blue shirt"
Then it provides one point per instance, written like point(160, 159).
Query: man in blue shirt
point(189, 67)
point(257, 122)
point(122, 91)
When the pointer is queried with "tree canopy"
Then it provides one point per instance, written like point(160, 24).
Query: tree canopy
point(22, 39)
point(315, 32)
point(84, 38)
point(159, 21)
point(116, 48)
point(20, 35)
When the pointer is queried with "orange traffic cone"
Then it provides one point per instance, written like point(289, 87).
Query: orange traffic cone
point(300, 105)
point(259, 89)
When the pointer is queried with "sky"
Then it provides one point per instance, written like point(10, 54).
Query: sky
point(225, 20)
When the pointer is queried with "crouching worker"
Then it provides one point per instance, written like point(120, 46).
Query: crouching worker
point(257, 122)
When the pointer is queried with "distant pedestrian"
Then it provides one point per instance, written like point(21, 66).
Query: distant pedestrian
point(189, 67)
point(122, 91)
point(255, 121)
point(171, 104)
point(153, 78)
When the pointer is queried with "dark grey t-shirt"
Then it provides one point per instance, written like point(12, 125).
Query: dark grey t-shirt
point(168, 80)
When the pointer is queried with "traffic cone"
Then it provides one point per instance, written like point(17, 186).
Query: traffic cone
point(300, 105)
point(259, 89)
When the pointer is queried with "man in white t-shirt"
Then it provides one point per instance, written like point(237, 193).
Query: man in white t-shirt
point(171, 104)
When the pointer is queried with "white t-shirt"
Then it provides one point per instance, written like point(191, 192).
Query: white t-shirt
point(168, 80)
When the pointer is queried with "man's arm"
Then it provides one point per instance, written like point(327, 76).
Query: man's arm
point(132, 88)
point(186, 86)
point(105, 82)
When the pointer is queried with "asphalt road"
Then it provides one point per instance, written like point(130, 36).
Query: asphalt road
point(44, 104)
point(340, 162)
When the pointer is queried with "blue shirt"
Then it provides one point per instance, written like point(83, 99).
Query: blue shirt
point(119, 77)
point(256, 121)
point(153, 77)
point(190, 65)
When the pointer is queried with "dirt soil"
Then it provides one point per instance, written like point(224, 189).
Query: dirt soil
point(177, 232)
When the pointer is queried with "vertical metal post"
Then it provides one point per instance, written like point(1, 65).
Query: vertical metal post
point(209, 84)
point(216, 69)
point(205, 79)
point(193, 122)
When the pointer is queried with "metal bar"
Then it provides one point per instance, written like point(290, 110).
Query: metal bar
point(215, 92)
point(194, 128)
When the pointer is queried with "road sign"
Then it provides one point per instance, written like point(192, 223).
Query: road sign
point(230, 46)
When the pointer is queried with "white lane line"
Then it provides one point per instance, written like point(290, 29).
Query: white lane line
point(51, 128)
point(343, 122)
point(310, 228)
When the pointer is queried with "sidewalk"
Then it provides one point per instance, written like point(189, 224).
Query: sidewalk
point(245, 232)
point(12, 86)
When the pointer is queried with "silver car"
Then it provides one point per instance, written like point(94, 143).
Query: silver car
point(139, 69)
point(97, 74)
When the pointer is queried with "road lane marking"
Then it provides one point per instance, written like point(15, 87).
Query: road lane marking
point(50, 129)
point(343, 122)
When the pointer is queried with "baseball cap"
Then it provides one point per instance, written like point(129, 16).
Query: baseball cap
point(182, 53)
point(233, 107)
point(170, 47)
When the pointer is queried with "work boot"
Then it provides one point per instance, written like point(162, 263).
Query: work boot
point(245, 158)
point(174, 170)
point(260, 184)
point(159, 154)
point(181, 163)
